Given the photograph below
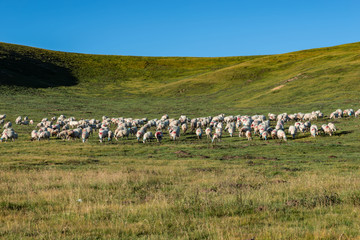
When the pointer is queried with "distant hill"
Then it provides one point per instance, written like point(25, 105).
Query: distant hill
point(323, 74)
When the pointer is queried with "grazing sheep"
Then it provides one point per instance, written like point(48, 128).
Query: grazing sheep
point(103, 133)
point(199, 133)
point(274, 133)
point(110, 135)
point(208, 132)
point(7, 134)
point(264, 135)
point(326, 129)
point(44, 135)
point(85, 136)
point(332, 127)
point(147, 136)
point(18, 120)
point(159, 136)
point(292, 131)
point(314, 130)
point(184, 127)
point(357, 113)
point(121, 133)
point(217, 136)
point(34, 135)
point(139, 135)
point(281, 135)
point(231, 128)
point(2, 116)
point(7, 125)
point(174, 133)
point(248, 135)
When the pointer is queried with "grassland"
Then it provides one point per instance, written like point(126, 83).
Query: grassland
point(307, 188)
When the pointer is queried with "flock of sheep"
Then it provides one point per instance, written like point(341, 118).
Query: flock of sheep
point(213, 127)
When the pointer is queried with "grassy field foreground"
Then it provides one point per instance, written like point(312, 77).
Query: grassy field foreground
point(305, 188)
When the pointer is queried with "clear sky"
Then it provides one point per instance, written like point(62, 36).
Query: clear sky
point(180, 28)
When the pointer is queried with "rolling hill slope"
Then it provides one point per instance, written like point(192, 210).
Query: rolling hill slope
point(315, 75)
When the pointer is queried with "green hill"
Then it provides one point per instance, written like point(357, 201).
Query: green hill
point(310, 76)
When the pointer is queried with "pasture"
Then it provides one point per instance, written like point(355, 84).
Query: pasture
point(303, 188)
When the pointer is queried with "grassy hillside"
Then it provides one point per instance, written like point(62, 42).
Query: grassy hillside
point(294, 78)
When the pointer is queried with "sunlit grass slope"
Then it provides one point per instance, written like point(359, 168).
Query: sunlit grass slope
point(309, 76)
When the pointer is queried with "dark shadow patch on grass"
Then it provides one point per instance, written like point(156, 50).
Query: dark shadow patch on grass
point(25, 70)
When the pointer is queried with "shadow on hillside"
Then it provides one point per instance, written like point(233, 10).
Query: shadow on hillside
point(21, 70)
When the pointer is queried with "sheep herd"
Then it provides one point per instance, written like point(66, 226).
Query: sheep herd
point(213, 127)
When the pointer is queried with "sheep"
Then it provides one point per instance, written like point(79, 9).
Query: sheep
point(147, 136)
point(313, 130)
point(184, 127)
point(159, 136)
point(326, 129)
point(174, 133)
point(334, 115)
point(231, 128)
point(121, 133)
point(248, 135)
point(85, 136)
point(43, 135)
point(75, 133)
point(332, 127)
point(7, 134)
point(216, 136)
point(199, 133)
point(18, 120)
point(281, 135)
point(274, 133)
point(292, 131)
point(2, 116)
point(243, 130)
point(208, 132)
point(103, 133)
point(34, 135)
point(110, 135)
point(357, 113)
point(7, 125)
point(2, 121)
point(139, 135)
point(264, 135)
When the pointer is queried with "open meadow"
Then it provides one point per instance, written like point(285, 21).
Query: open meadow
point(305, 188)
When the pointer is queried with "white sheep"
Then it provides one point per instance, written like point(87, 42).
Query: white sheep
point(44, 135)
point(314, 130)
point(199, 133)
point(103, 133)
point(2, 116)
point(274, 133)
point(292, 131)
point(326, 129)
point(147, 136)
point(281, 135)
point(18, 120)
point(217, 135)
point(34, 135)
point(85, 135)
point(248, 135)
point(357, 113)
point(7, 125)
point(7, 134)
point(332, 127)
point(208, 132)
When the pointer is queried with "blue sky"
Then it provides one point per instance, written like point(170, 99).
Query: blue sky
point(180, 28)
